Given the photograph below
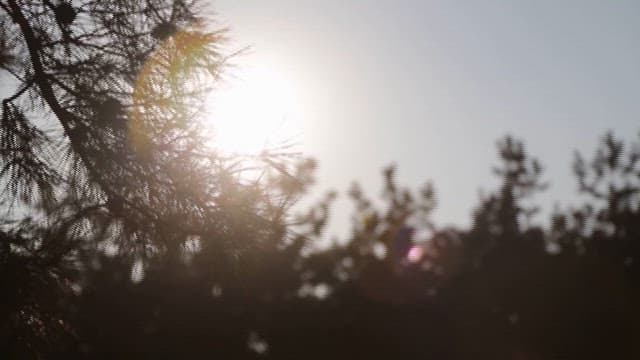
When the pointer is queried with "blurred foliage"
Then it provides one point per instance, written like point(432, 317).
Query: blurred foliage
point(126, 236)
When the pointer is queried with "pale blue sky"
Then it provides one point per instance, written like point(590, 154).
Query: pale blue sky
point(431, 85)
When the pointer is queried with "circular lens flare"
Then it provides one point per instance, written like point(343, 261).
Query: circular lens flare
point(415, 254)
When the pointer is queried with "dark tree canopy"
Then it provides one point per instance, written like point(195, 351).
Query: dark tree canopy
point(126, 235)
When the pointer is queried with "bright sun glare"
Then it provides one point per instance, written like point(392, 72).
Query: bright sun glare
point(253, 110)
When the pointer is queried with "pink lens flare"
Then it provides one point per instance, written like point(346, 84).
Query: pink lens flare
point(415, 254)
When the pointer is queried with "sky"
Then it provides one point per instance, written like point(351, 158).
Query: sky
point(432, 85)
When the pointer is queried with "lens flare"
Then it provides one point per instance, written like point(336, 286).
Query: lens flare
point(415, 254)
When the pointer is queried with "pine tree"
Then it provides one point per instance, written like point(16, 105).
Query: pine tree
point(102, 147)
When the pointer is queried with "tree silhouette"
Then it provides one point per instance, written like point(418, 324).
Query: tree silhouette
point(102, 147)
point(127, 236)
point(398, 287)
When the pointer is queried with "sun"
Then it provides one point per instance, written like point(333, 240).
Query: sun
point(254, 110)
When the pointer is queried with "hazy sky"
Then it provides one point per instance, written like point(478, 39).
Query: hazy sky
point(431, 85)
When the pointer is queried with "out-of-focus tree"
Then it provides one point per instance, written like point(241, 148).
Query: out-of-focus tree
point(612, 218)
point(127, 236)
point(398, 286)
